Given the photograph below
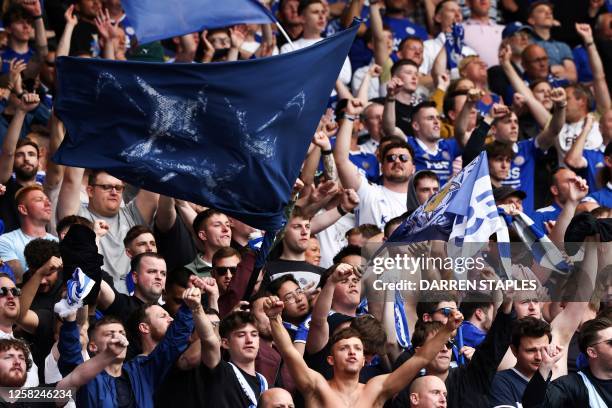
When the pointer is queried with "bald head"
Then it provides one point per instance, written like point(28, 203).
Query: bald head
point(276, 398)
point(535, 62)
point(428, 392)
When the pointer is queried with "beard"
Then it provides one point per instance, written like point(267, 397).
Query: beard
point(397, 179)
point(23, 174)
point(12, 379)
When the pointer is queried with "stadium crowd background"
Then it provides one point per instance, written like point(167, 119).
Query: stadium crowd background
point(171, 316)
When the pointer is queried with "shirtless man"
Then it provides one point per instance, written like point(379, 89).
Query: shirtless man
point(347, 359)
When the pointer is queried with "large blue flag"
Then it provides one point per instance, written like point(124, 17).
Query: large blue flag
point(158, 19)
point(227, 135)
point(462, 211)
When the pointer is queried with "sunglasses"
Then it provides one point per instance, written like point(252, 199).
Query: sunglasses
point(446, 311)
point(450, 344)
point(222, 270)
point(4, 291)
point(391, 158)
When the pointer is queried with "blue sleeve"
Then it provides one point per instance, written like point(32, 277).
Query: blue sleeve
point(156, 365)
point(69, 347)
point(454, 148)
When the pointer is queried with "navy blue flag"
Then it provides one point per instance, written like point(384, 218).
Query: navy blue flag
point(230, 135)
point(158, 19)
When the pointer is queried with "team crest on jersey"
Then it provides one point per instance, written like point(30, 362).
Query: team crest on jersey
point(599, 165)
point(365, 165)
point(519, 160)
point(445, 155)
point(410, 30)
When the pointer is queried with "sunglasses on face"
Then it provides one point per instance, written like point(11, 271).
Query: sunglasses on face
point(450, 344)
point(391, 158)
point(4, 291)
point(222, 270)
point(446, 311)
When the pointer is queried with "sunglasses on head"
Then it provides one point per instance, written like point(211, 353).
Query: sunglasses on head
point(4, 291)
point(446, 311)
point(391, 158)
point(222, 270)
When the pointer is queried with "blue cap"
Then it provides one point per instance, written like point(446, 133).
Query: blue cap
point(514, 28)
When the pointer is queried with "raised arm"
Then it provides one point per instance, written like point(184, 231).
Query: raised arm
point(403, 376)
point(146, 202)
point(350, 13)
point(539, 112)
point(26, 319)
point(165, 217)
point(305, 378)
point(318, 335)
point(574, 157)
point(108, 31)
point(600, 86)
point(349, 175)
point(393, 88)
point(69, 200)
point(461, 123)
point(211, 344)
point(381, 53)
point(546, 138)
point(40, 34)
point(55, 172)
point(577, 190)
point(63, 47)
point(87, 371)
point(7, 156)
point(348, 202)
point(362, 94)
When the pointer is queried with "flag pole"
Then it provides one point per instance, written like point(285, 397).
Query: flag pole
point(284, 33)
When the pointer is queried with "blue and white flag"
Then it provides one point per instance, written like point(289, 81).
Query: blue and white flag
point(462, 211)
point(544, 251)
point(159, 19)
point(231, 136)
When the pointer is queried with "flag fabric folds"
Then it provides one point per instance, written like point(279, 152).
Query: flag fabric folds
point(156, 20)
point(231, 135)
point(462, 211)
point(544, 251)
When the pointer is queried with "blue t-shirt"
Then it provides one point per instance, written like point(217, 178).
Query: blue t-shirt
point(8, 54)
point(557, 51)
point(507, 388)
point(402, 28)
point(543, 215)
point(367, 164)
point(595, 162)
point(603, 197)
point(13, 243)
point(522, 171)
point(441, 163)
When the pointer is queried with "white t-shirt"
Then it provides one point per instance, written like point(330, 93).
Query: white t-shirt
point(345, 73)
point(432, 47)
point(569, 133)
point(332, 239)
point(378, 204)
point(116, 262)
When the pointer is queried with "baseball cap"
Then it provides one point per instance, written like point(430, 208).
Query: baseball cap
point(503, 192)
point(514, 28)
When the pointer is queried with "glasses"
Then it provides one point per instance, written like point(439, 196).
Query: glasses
point(108, 187)
point(538, 60)
point(4, 291)
point(223, 270)
point(446, 311)
point(608, 342)
point(391, 158)
point(292, 296)
point(450, 344)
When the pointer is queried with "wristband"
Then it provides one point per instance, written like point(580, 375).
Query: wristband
point(390, 99)
point(587, 45)
point(350, 117)
point(38, 17)
point(341, 210)
point(326, 152)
